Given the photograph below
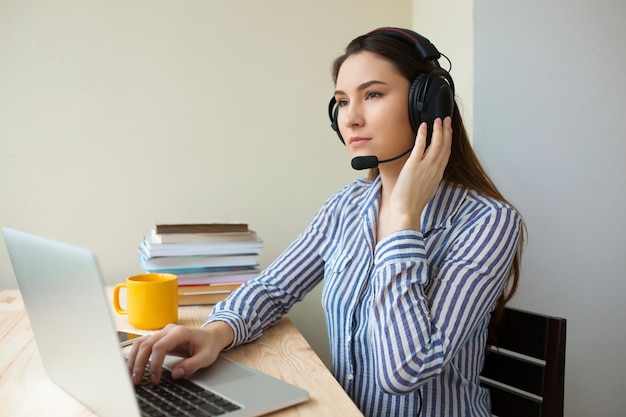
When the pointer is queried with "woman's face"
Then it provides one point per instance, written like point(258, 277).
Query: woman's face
point(373, 102)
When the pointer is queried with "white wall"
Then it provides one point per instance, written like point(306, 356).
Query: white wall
point(549, 103)
point(116, 115)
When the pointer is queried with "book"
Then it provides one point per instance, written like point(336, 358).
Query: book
point(195, 262)
point(185, 290)
point(205, 294)
point(202, 299)
point(201, 228)
point(156, 238)
point(204, 278)
point(221, 248)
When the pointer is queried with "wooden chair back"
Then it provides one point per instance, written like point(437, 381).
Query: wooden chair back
point(525, 365)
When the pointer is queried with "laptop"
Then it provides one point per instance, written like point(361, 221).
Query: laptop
point(72, 321)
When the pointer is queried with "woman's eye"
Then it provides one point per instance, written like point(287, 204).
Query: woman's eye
point(373, 94)
point(342, 102)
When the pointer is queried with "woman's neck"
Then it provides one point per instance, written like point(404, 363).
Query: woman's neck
point(388, 179)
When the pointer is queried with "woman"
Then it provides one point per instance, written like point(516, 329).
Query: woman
point(415, 259)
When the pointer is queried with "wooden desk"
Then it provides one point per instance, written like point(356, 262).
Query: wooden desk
point(26, 390)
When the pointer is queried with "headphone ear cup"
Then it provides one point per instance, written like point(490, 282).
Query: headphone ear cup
point(416, 100)
point(438, 100)
point(333, 113)
point(430, 96)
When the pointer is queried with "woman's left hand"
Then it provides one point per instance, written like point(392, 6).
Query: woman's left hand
point(423, 171)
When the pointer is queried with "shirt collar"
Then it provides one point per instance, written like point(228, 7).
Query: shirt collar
point(446, 203)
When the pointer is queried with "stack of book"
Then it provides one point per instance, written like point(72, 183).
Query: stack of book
point(210, 259)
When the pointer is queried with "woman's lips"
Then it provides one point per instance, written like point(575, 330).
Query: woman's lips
point(355, 141)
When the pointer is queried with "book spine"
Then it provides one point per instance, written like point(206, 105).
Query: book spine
point(203, 299)
point(184, 290)
point(155, 238)
point(201, 228)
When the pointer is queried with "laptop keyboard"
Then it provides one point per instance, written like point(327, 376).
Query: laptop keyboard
point(179, 397)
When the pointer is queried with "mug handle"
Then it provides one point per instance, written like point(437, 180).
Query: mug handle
point(116, 298)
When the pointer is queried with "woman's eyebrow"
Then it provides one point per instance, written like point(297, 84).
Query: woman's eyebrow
point(362, 86)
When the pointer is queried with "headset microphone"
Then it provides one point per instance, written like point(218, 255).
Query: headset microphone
point(367, 162)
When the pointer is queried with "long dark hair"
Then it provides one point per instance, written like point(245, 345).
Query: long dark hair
point(463, 168)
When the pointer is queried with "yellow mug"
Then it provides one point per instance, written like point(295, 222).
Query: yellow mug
point(151, 300)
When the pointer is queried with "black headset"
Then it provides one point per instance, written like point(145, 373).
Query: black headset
point(431, 94)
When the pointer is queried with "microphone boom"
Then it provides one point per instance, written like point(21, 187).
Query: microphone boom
point(371, 161)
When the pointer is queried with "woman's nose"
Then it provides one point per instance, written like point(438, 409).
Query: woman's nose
point(353, 115)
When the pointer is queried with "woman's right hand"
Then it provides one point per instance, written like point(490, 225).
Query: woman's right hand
point(420, 177)
point(202, 346)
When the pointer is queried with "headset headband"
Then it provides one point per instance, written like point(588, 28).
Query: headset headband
point(426, 49)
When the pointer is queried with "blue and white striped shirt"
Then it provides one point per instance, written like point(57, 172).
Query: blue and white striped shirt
point(405, 315)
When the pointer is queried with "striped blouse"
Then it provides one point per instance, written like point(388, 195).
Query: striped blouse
point(406, 317)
